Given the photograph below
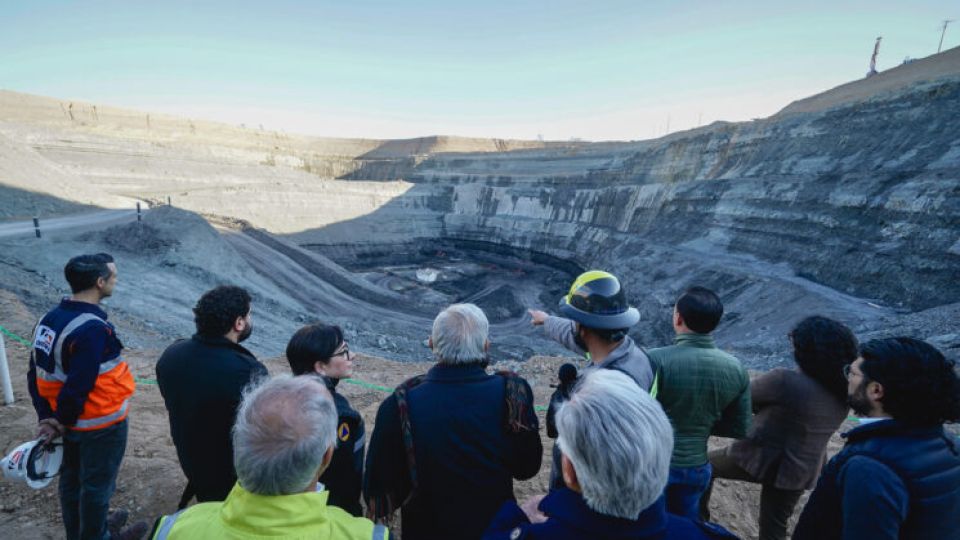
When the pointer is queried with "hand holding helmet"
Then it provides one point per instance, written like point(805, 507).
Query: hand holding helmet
point(49, 429)
point(34, 462)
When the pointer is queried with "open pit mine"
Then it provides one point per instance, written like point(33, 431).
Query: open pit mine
point(845, 204)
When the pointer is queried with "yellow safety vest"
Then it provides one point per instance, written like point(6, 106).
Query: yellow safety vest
point(247, 516)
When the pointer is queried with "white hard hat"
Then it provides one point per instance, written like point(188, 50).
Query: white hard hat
point(34, 462)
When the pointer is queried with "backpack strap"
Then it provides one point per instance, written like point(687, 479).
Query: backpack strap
point(519, 403)
point(406, 429)
point(382, 505)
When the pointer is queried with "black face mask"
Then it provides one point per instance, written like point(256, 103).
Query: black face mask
point(579, 340)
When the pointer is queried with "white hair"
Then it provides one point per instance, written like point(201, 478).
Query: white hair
point(619, 441)
point(460, 334)
point(284, 427)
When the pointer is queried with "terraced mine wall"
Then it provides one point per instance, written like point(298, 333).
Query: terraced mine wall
point(864, 198)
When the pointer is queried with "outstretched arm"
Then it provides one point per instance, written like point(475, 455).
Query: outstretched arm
point(557, 328)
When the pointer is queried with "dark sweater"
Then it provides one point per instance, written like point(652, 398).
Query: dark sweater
point(466, 458)
point(202, 380)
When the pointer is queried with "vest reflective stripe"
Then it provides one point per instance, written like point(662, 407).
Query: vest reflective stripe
point(58, 374)
point(60, 377)
point(103, 421)
point(379, 532)
point(77, 322)
point(358, 445)
point(166, 526)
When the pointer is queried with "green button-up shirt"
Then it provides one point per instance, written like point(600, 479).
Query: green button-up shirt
point(704, 392)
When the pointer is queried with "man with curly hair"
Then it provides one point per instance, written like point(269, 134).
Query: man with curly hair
point(202, 381)
point(899, 474)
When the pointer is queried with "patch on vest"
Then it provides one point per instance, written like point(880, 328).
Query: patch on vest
point(44, 339)
point(343, 432)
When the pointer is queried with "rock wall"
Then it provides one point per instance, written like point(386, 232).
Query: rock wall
point(864, 198)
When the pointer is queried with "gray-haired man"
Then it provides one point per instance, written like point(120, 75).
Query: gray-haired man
point(447, 445)
point(614, 482)
point(283, 439)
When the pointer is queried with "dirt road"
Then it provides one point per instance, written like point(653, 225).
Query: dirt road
point(74, 223)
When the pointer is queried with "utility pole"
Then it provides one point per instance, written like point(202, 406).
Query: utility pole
point(873, 59)
point(944, 31)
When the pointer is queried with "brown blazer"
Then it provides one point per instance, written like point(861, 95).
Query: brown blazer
point(795, 417)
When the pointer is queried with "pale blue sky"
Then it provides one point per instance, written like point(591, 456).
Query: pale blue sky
point(512, 69)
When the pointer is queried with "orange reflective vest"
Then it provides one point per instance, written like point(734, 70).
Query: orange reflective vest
point(108, 401)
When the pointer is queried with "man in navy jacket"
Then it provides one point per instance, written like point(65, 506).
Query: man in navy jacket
point(447, 445)
point(899, 474)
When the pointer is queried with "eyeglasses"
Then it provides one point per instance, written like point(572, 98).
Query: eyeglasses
point(345, 352)
point(846, 371)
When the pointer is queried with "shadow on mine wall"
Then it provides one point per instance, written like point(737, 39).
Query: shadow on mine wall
point(864, 199)
point(20, 204)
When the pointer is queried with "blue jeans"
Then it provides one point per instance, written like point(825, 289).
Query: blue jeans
point(684, 488)
point(91, 460)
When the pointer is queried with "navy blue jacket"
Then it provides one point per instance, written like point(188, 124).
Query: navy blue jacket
point(344, 477)
point(891, 480)
point(85, 349)
point(465, 457)
point(571, 519)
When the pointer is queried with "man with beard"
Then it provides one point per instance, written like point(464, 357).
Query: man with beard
point(202, 381)
point(899, 474)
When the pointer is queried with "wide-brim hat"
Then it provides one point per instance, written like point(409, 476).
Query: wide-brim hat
point(596, 300)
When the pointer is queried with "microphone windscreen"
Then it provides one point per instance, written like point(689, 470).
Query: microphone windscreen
point(567, 373)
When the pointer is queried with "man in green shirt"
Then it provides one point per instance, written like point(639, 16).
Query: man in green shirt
point(704, 392)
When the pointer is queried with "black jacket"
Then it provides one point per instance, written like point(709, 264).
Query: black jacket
point(891, 480)
point(201, 380)
point(465, 457)
point(344, 477)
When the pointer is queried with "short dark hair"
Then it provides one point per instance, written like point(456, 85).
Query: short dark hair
point(700, 309)
point(218, 309)
point(920, 385)
point(83, 271)
point(312, 343)
point(821, 347)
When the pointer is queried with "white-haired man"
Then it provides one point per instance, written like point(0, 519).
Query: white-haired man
point(283, 439)
point(614, 483)
point(447, 445)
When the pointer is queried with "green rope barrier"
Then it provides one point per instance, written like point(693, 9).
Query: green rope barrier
point(368, 385)
point(15, 337)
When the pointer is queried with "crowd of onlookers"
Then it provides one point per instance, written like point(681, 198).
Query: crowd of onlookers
point(288, 457)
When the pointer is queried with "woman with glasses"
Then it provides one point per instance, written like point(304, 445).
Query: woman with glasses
point(796, 411)
point(320, 350)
